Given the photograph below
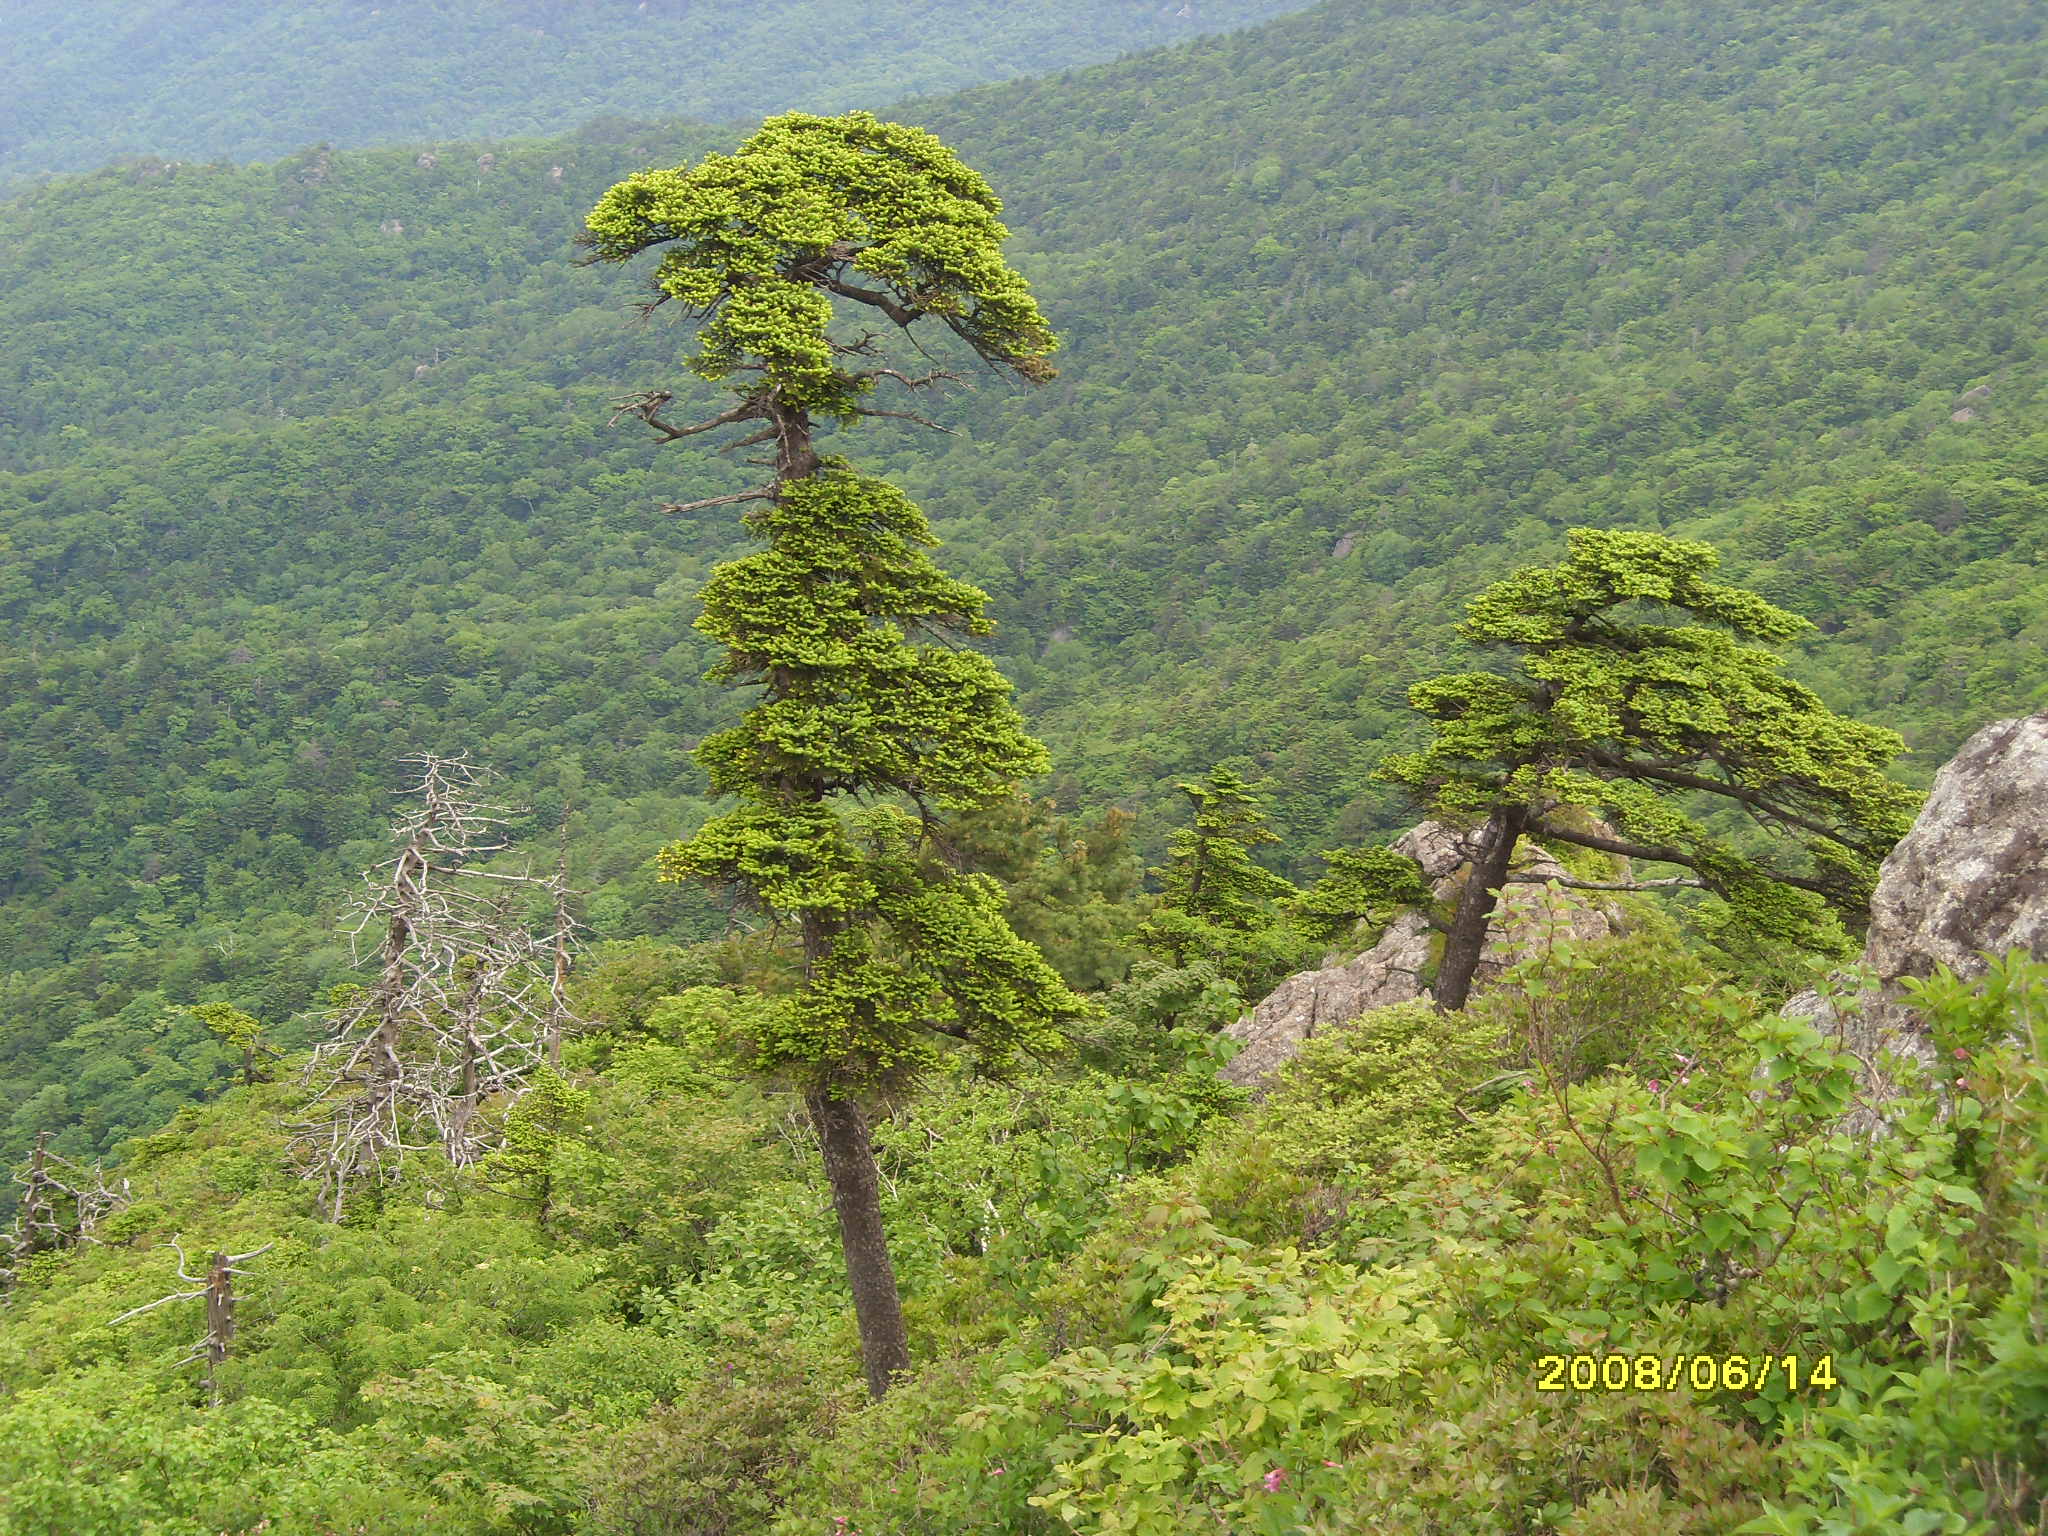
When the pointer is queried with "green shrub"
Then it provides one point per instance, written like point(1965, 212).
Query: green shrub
point(712, 1462)
point(1392, 1085)
point(1236, 1407)
point(1577, 1007)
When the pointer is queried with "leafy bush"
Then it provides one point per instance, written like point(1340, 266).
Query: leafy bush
point(712, 1462)
point(1233, 1409)
point(1393, 1083)
point(1574, 1008)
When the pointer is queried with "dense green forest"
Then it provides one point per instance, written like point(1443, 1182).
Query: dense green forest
point(1550, 1264)
point(318, 472)
point(82, 84)
point(310, 465)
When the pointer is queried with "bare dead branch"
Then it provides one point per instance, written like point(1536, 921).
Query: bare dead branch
point(1600, 885)
point(765, 435)
point(922, 421)
point(922, 381)
point(217, 1288)
point(903, 316)
point(647, 407)
point(766, 493)
point(153, 1305)
point(464, 1005)
point(60, 1205)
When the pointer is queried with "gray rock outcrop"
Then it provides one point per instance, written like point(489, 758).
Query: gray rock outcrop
point(1392, 971)
point(1970, 877)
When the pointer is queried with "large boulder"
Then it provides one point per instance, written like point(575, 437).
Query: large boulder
point(1970, 878)
point(1394, 969)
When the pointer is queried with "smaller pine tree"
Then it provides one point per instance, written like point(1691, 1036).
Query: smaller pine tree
point(1609, 707)
point(1218, 904)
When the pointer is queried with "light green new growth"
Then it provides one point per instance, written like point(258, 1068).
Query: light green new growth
point(844, 620)
point(1633, 718)
point(872, 724)
point(760, 241)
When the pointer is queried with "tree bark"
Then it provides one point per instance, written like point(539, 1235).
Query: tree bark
point(1466, 940)
point(220, 1321)
point(856, 1199)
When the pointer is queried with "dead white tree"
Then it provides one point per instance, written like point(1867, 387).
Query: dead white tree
point(464, 1004)
point(60, 1205)
point(217, 1287)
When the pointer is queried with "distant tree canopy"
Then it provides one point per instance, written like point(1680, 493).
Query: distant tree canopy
point(316, 474)
point(84, 84)
point(1641, 722)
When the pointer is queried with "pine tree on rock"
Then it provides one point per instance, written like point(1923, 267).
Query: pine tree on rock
point(873, 724)
point(1640, 721)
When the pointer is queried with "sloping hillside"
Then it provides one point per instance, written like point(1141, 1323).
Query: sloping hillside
point(82, 84)
point(310, 464)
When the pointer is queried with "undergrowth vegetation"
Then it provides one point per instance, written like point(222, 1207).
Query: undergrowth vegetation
point(1140, 1301)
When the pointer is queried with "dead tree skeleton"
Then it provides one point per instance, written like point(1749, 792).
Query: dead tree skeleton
point(464, 1005)
point(217, 1287)
point(60, 1205)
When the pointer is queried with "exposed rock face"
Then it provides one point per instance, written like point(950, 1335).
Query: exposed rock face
point(1971, 876)
point(1309, 1001)
point(1392, 970)
point(1973, 873)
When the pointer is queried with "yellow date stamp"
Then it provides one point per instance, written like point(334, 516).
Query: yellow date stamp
point(1683, 1373)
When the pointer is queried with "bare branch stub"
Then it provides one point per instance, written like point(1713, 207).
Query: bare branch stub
point(217, 1287)
point(766, 493)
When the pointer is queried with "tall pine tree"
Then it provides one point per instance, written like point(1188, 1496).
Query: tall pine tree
point(873, 723)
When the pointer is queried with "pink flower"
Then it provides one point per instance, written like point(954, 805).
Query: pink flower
point(1655, 1085)
point(997, 1471)
point(1329, 1463)
point(1273, 1480)
point(1961, 1054)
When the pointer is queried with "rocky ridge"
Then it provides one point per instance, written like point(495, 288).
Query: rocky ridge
point(1395, 968)
point(1969, 880)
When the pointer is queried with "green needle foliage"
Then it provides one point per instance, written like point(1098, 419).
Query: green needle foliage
point(1363, 885)
point(1642, 722)
point(872, 723)
point(1218, 904)
point(243, 1031)
point(759, 242)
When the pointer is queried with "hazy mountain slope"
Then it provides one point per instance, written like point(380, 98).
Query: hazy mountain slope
point(81, 84)
point(1361, 308)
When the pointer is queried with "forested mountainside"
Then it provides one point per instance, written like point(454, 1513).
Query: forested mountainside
point(308, 464)
point(311, 491)
point(241, 80)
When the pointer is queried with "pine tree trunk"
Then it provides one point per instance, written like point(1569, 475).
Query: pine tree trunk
point(856, 1198)
point(1466, 940)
